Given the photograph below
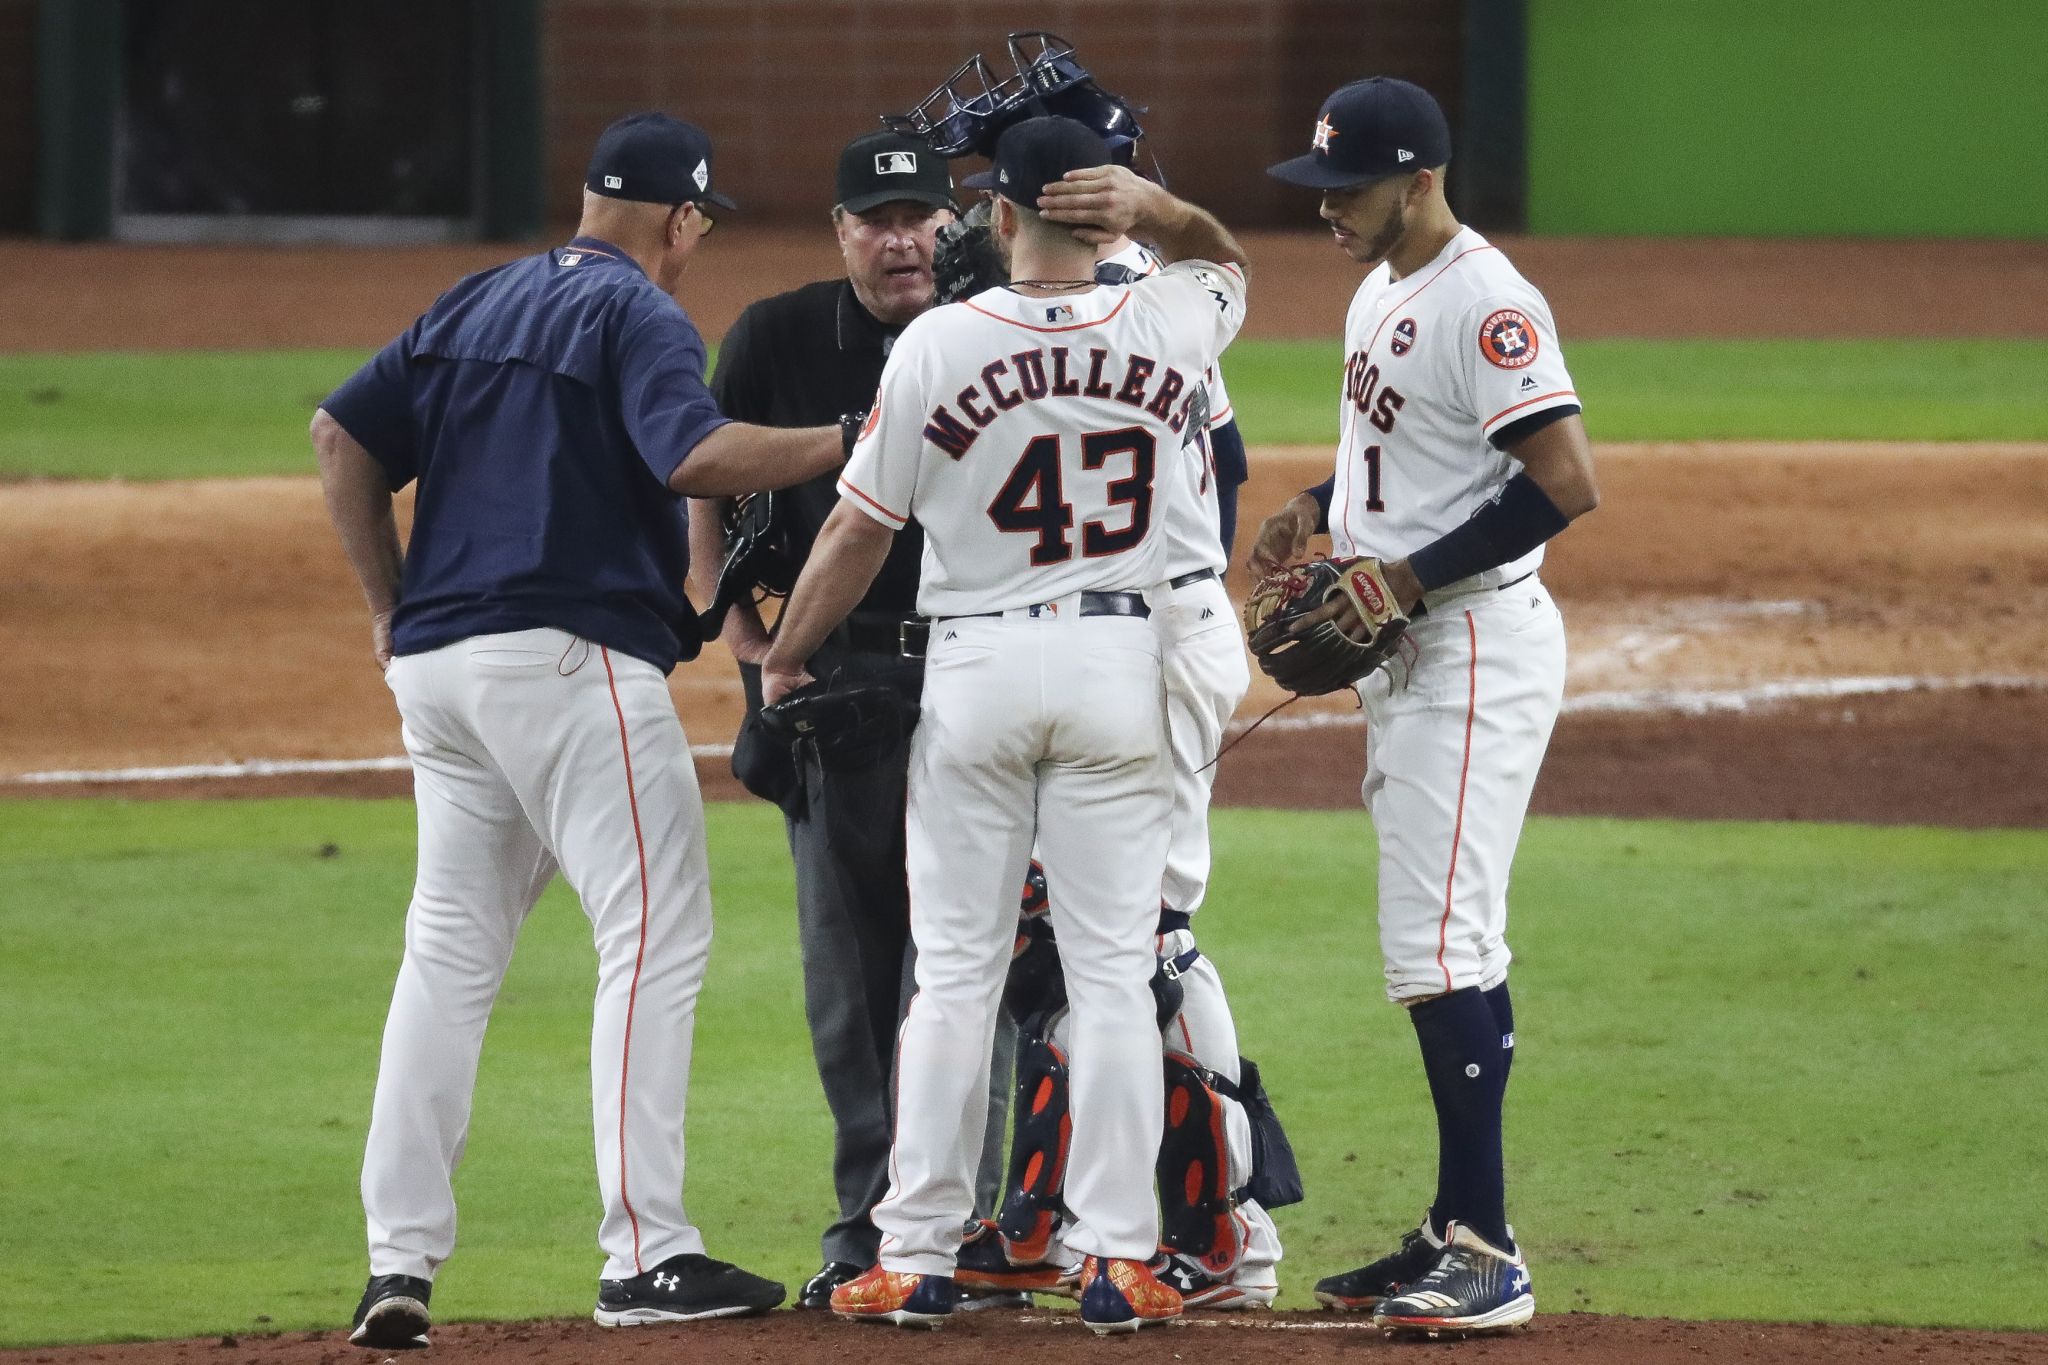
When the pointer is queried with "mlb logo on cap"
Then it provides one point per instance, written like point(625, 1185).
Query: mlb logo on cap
point(896, 163)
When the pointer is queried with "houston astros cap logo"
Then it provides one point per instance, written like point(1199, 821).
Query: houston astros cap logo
point(1325, 130)
point(1508, 339)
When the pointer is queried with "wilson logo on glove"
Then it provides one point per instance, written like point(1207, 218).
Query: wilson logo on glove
point(1368, 592)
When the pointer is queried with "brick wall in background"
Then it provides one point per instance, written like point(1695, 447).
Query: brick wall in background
point(1231, 85)
point(17, 115)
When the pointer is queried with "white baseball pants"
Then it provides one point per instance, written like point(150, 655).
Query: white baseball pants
point(1455, 734)
point(1207, 675)
point(533, 751)
point(1054, 724)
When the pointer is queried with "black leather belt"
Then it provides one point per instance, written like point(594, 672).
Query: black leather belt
point(1422, 608)
point(1188, 580)
point(882, 633)
point(913, 636)
point(1092, 604)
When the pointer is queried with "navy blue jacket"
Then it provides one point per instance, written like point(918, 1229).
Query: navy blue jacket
point(542, 406)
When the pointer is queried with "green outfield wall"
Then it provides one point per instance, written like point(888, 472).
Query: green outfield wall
point(1788, 117)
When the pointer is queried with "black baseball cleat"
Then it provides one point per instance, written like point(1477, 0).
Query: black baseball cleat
point(1475, 1287)
point(682, 1289)
point(1360, 1290)
point(817, 1290)
point(393, 1314)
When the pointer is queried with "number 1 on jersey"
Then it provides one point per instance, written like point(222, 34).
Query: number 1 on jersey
point(1372, 480)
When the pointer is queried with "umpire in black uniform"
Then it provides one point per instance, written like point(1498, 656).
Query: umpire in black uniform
point(794, 360)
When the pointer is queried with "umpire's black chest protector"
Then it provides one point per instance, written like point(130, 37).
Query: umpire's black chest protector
point(802, 359)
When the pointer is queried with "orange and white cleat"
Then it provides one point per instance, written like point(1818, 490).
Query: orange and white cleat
point(1122, 1296)
point(900, 1297)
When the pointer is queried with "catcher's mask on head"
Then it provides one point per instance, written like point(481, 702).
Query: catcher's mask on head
point(970, 109)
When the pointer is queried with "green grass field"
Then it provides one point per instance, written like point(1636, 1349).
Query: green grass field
point(1765, 1071)
point(158, 415)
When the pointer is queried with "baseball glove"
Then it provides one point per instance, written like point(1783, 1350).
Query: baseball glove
point(1310, 660)
point(967, 258)
point(852, 726)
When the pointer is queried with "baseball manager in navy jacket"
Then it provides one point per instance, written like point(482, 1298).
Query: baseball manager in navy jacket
point(554, 414)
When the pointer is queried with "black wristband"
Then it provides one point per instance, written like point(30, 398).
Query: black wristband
point(1324, 493)
point(850, 424)
point(1509, 525)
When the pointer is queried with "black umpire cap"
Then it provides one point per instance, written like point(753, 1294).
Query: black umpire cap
point(881, 168)
point(1032, 154)
point(654, 159)
point(1367, 131)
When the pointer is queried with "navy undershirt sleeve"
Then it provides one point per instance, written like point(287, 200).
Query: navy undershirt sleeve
point(662, 396)
point(374, 405)
point(1324, 493)
point(1226, 449)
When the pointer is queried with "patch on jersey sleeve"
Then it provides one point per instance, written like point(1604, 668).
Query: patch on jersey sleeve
point(1403, 338)
point(1207, 279)
point(1508, 339)
point(874, 417)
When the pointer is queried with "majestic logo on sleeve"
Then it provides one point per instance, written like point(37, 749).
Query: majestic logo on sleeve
point(1508, 339)
point(1325, 130)
point(1403, 338)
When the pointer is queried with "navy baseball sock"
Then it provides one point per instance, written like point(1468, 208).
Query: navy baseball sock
point(1504, 1020)
point(1467, 1068)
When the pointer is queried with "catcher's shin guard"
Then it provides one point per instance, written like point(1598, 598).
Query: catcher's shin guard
point(1038, 1150)
point(1276, 1178)
point(1198, 1215)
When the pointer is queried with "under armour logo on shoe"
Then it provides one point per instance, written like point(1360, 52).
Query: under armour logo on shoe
point(668, 1281)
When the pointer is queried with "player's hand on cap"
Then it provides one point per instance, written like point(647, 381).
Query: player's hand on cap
point(1102, 203)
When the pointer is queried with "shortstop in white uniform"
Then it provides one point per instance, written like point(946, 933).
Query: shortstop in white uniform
point(1435, 364)
point(1036, 440)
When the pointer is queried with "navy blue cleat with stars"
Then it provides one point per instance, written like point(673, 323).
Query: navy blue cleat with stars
point(1474, 1288)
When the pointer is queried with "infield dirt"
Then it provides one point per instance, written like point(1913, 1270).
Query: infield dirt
point(215, 621)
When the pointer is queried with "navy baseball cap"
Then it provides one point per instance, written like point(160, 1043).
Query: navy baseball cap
point(653, 159)
point(881, 168)
point(1032, 154)
point(1367, 131)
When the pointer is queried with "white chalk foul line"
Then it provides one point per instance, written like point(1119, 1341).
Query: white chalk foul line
point(262, 767)
point(1646, 701)
point(1242, 1321)
point(1700, 701)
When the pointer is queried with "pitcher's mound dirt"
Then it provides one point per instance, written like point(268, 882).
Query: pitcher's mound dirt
point(790, 1338)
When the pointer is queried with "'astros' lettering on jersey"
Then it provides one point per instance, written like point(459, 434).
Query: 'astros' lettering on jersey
point(1038, 440)
point(1436, 364)
point(1194, 518)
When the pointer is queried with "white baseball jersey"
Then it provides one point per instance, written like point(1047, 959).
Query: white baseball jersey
point(1051, 470)
point(1194, 519)
point(1435, 365)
